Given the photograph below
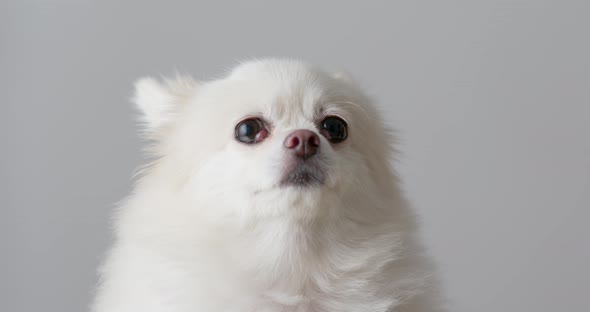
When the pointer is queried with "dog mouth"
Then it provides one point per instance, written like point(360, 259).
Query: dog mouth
point(304, 174)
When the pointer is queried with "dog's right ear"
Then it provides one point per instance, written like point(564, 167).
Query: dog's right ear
point(158, 102)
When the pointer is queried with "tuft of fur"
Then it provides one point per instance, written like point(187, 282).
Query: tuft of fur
point(158, 101)
point(209, 227)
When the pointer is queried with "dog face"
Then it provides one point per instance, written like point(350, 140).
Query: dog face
point(273, 138)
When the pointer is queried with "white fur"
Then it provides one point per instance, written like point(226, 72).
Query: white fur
point(207, 227)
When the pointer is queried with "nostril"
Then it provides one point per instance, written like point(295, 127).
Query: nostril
point(314, 140)
point(292, 141)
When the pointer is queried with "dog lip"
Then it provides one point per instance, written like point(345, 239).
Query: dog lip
point(301, 179)
point(303, 174)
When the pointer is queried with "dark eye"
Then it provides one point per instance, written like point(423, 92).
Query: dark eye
point(334, 129)
point(251, 131)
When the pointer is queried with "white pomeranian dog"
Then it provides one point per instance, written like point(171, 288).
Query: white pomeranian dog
point(271, 189)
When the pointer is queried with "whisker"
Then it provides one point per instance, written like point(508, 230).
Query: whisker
point(359, 107)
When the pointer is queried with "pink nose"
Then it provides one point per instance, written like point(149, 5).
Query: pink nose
point(304, 143)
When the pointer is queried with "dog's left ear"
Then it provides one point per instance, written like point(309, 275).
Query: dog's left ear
point(159, 102)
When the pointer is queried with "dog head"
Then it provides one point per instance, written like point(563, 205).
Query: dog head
point(273, 138)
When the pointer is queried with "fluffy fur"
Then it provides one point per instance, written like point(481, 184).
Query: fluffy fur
point(209, 227)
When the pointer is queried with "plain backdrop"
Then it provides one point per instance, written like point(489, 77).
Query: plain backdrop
point(491, 100)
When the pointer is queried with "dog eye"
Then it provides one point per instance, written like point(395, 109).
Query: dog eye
point(250, 131)
point(334, 129)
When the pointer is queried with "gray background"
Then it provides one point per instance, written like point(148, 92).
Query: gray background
point(491, 100)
